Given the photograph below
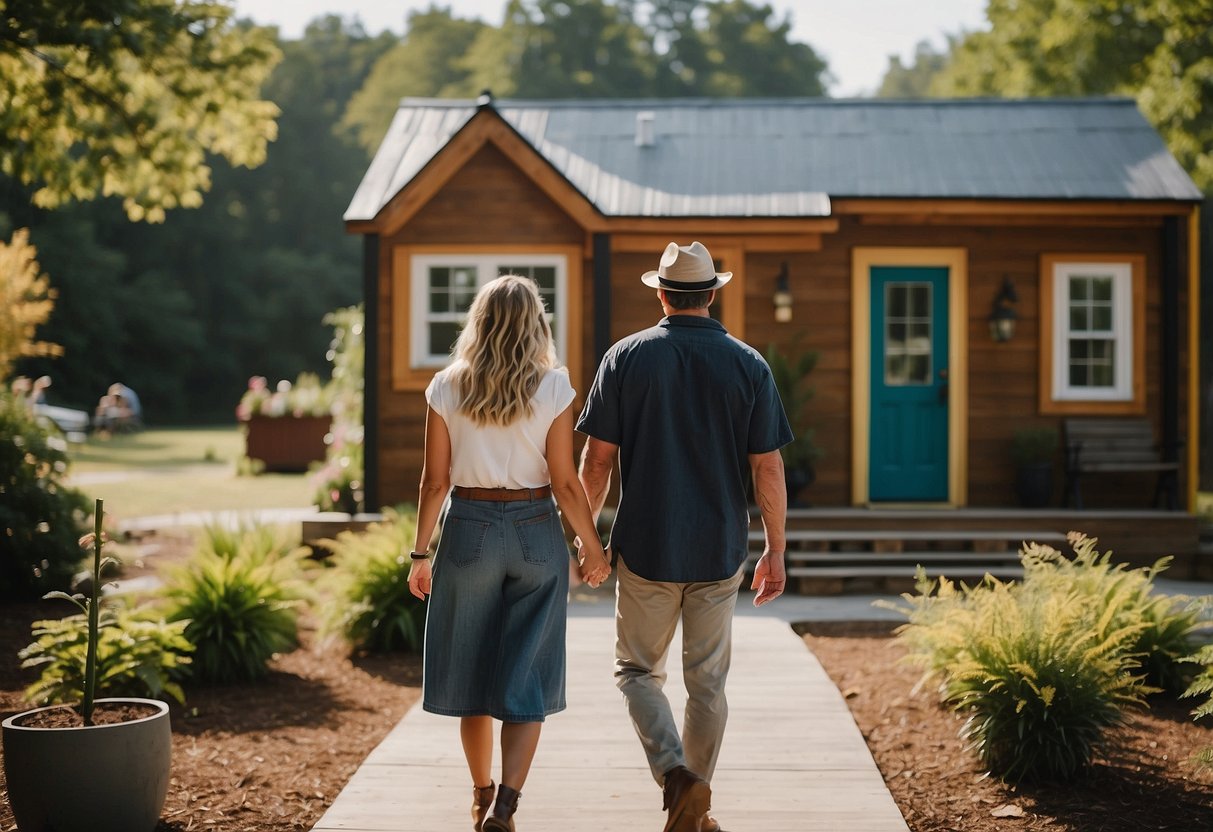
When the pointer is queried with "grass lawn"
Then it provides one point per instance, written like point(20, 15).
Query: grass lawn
point(178, 470)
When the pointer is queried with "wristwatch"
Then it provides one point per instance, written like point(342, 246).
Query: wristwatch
point(419, 555)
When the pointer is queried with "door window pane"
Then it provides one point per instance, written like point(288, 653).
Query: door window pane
point(907, 333)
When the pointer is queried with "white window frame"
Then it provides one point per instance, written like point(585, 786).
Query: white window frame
point(487, 265)
point(1122, 390)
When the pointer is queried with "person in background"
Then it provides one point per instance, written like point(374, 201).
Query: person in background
point(691, 413)
point(499, 428)
point(118, 410)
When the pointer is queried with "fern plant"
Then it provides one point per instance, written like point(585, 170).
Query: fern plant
point(241, 595)
point(373, 609)
point(1167, 623)
point(1202, 685)
point(138, 654)
point(1040, 679)
point(1041, 685)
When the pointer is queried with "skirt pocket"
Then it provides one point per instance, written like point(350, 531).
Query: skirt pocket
point(462, 540)
point(538, 536)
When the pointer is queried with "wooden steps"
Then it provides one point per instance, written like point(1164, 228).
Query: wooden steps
point(829, 561)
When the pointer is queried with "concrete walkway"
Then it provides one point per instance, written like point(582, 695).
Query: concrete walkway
point(793, 758)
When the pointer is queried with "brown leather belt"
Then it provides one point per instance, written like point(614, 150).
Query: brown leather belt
point(501, 495)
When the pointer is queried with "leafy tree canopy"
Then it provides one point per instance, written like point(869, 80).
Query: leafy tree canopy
point(126, 98)
point(26, 301)
point(591, 49)
point(1157, 51)
point(428, 62)
point(915, 79)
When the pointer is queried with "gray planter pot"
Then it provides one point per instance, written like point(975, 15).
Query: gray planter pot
point(104, 778)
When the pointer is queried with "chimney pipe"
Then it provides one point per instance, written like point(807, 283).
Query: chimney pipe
point(645, 133)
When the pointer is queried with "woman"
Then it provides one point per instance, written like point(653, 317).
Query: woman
point(499, 428)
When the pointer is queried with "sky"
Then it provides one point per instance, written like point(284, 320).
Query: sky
point(856, 37)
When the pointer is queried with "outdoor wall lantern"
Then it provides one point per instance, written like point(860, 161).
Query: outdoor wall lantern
point(1003, 315)
point(783, 296)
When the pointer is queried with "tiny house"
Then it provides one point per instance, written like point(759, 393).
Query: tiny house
point(964, 268)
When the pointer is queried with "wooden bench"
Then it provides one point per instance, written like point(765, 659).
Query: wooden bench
point(1096, 446)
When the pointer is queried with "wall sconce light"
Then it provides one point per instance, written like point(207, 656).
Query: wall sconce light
point(783, 296)
point(1003, 315)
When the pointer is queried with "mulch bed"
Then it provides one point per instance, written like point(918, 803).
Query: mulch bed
point(263, 757)
point(1147, 784)
point(272, 756)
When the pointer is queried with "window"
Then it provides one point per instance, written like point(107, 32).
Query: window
point(907, 334)
point(1091, 307)
point(443, 287)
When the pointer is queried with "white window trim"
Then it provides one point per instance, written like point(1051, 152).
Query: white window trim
point(1122, 332)
point(486, 270)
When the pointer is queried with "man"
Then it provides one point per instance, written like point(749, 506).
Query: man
point(692, 413)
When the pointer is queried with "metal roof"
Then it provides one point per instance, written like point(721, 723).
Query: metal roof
point(788, 157)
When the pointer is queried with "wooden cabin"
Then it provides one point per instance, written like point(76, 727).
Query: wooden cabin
point(964, 268)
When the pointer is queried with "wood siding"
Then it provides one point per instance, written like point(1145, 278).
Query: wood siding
point(491, 201)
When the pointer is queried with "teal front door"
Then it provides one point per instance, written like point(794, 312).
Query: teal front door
point(908, 446)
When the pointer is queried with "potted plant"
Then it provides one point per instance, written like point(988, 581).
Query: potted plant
point(102, 766)
point(284, 428)
point(1033, 450)
point(790, 373)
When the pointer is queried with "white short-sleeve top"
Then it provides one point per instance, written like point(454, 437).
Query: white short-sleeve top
point(492, 456)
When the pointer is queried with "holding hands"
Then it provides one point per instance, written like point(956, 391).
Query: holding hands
point(594, 563)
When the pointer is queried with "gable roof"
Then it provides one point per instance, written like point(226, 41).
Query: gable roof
point(789, 157)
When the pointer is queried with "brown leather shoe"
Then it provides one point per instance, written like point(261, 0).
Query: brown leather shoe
point(707, 823)
point(482, 799)
point(687, 799)
point(501, 818)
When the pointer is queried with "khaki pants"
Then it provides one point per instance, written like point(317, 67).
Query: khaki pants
point(646, 613)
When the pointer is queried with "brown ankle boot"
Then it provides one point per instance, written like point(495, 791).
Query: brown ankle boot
point(482, 799)
point(501, 818)
point(687, 798)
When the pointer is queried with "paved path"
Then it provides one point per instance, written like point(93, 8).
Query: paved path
point(793, 758)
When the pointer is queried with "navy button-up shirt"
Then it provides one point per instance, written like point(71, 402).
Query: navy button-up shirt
point(686, 403)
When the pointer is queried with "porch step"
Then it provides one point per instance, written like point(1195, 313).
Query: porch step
point(795, 535)
point(829, 561)
point(901, 558)
point(903, 571)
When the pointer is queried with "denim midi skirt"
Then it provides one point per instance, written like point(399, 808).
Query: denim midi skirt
point(495, 626)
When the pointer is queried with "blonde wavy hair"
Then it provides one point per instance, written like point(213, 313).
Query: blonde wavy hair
point(505, 348)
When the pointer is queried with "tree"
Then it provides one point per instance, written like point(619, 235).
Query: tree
point(26, 301)
point(234, 288)
point(427, 62)
point(743, 50)
point(1158, 51)
point(917, 79)
point(127, 98)
point(591, 49)
point(561, 49)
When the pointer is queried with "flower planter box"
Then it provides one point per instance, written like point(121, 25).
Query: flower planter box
point(286, 443)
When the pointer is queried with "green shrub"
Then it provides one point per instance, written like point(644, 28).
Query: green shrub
point(1030, 446)
point(1040, 678)
point(1167, 623)
point(1202, 685)
point(138, 654)
point(373, 609)
point(241, 594)
point(40, 518)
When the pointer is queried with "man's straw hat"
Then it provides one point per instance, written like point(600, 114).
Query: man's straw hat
point(686, 269)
